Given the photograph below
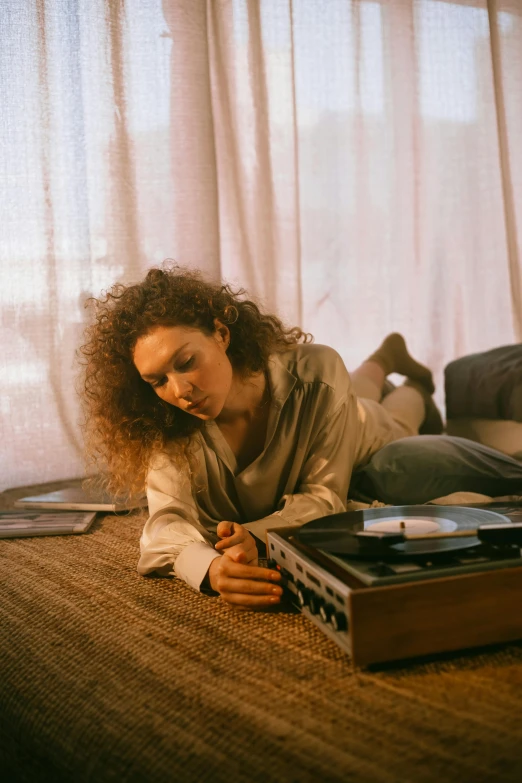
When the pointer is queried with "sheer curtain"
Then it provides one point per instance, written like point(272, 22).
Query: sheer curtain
point(355, 164)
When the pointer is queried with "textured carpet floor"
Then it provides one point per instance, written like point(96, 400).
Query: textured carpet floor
point(109, 676)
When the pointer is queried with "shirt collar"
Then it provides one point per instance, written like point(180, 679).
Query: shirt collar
point(281, 380)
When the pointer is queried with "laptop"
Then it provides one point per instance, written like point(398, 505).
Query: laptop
point(77, 499)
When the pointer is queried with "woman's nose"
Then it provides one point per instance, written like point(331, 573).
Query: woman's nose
point(179, 387)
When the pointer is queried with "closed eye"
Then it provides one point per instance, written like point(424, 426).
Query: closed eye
point(182, 368)
point(188, 364)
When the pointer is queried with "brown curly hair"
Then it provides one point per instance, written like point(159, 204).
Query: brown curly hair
point(125, 422)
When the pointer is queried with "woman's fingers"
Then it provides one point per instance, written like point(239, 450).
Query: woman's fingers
point(250, 587)
point(232, 577)
point(229, 568)
point(250, 593)
point(226, 567)
point(242, 553)
point(225, 529)
point(247, 586)
point(240, 546)
point(237, 554)
point(226, 543)
point(235, 536)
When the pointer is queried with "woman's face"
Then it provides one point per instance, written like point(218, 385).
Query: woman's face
point(186, 367)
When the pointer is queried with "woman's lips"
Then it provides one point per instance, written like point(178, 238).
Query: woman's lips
point(196, 406)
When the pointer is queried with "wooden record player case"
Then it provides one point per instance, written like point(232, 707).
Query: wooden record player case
point(406, 620)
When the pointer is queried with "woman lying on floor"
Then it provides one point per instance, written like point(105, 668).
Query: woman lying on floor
point(234, 423)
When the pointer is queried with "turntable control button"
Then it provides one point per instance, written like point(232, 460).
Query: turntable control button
point(272, 563)
point(326, 611)
point(315, 603)
point(302, 594)
point(339, 621)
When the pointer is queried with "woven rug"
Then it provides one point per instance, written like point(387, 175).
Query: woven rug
point(109, 676)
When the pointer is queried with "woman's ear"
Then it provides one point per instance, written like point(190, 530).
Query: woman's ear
point(222, 333)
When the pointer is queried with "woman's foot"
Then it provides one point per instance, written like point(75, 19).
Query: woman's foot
point(393, 356)
point(432, 424)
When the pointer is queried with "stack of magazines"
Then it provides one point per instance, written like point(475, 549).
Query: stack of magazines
point(66, 511)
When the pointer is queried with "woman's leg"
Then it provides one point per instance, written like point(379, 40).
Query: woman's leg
point(411, 405)
point(368, 380)
point(393, 356)
point(406, 405)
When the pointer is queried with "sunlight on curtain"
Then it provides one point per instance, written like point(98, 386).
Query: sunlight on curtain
point(86, 195)
point(340, 159)
point(357, 145)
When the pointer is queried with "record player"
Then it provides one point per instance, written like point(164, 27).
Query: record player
point(404, 581)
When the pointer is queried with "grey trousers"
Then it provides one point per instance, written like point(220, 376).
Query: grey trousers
point(425, 467)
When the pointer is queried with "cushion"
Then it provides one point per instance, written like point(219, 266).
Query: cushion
point(424, 467)
point(485, 385)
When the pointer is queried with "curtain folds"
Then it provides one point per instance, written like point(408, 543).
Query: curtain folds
point(355, 164)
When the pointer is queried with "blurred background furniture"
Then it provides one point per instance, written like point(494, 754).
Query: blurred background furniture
point(484, 398)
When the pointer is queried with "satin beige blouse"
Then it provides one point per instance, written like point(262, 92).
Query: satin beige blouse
point(317, 432)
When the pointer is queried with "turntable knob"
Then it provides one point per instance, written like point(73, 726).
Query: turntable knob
point(339, 621)
point(315, 603)
point(326, 611)
point(302, 594)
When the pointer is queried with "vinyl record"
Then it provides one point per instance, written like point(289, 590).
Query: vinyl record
point(335, 534)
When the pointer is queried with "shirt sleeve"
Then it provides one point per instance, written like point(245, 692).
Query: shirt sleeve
point(173, 541)
point(325, 476)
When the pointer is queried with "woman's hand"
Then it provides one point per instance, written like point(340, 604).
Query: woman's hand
point(244, 586)
point(236, 576)
point(237, 543)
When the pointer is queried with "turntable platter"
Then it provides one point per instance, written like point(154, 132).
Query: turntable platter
point(336, 534)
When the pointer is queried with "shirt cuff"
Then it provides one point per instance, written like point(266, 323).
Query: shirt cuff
point(193, 562)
